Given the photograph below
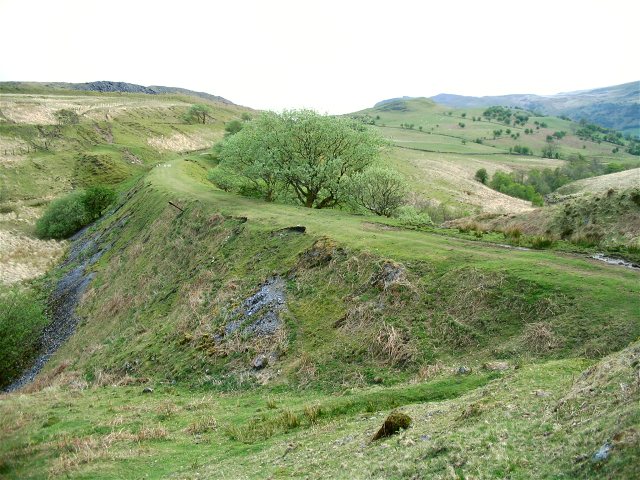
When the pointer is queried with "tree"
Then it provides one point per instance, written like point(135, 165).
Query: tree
point(482, 176)
point(300, 152)
point(198, 113)
point(379, 190)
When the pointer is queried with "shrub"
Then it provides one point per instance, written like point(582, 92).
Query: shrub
point(380, 190)
point(22, 320)
point(63, 217)
point(66, 117)
point(222, 179)
point(409, 215)
point(96, 199)
point(482, 176)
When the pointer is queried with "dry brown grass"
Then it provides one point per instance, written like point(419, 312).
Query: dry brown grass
point(305, 370)
point(23, 257)
point(539, 338)
point(201, 426)
point(392, 346)
point(428, 372)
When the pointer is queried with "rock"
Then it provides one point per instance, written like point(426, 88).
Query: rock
point(260, 362)
point(147, 390)
point(496, 366)
point(378, 380)
point(603, 453)
point(394, 423)
point(294, 229)
point(541, 393)
point(389, 274)
point(463, 370)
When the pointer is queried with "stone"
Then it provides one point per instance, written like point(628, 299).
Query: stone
point(395, 422)
point(463, 370)
point(603, 453)
point(378, 380)
point(260, 362)
point(496, 366)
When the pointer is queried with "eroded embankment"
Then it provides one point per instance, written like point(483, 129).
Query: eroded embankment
point(75, 275)
point(193, 296)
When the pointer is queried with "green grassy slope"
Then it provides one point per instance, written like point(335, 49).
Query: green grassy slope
point(440, 157)
point(363, 300)
point(371, 317)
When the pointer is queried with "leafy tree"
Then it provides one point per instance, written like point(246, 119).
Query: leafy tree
point(66, 117)
point(302, 153)
point(379, 190)
point(198, 113)
point(482, 176)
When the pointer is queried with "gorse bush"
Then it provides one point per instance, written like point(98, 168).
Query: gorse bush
point(68, 214)
point(22, 320)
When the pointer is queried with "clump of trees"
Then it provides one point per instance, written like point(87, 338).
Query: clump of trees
point(508, 184)
point(66, 215)
point(299, 155)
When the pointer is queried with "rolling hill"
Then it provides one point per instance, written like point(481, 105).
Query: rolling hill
point(616, 107)
point(197, 333)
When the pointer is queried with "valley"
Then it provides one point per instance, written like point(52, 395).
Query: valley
point(222, 336)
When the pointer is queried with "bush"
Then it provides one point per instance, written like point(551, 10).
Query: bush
point(482, 176)
point(96, 199)
point(409, 215)
point(65, 216)
point(223, 179)
point(22, 320)
point(380, 190)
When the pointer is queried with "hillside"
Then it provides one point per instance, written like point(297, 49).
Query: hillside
point(197, 333)
point(105, 87)
point(616, 107)
point(118, 137)
point(441, 149)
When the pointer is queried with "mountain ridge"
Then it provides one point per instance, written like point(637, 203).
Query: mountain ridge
point(616, 106)
point(106, 86)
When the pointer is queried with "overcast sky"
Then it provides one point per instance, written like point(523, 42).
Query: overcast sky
point(334, 56)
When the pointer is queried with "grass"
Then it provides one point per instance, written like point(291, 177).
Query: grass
point(378, 318)
point(487, 432)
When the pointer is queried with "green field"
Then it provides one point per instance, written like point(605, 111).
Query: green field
point(371, 317)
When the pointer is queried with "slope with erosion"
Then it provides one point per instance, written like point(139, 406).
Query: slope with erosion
point(266, 346)
point(118, 137)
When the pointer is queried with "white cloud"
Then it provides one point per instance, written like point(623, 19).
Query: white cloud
point(335, 56)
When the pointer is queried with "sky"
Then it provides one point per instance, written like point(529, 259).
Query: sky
point(332, 56)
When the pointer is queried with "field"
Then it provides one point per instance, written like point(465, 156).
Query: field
point(220, 339)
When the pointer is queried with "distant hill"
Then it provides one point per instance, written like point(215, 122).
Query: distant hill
point(108, 86)
point(616, 107)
